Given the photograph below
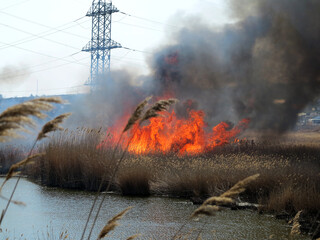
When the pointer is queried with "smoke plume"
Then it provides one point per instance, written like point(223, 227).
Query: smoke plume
point(265, 66)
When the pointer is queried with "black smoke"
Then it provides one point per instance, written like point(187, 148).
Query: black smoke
point(266, 66)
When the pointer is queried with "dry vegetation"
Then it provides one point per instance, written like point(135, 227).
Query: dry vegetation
point(289, 168)
point(289, 179)
point(289, 171)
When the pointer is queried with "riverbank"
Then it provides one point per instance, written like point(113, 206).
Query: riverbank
point(289, 172)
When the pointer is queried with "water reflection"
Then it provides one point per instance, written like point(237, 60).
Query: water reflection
point(53, 211)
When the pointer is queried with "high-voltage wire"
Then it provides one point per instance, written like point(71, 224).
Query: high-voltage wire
point(149, 20)
point(43, 25)
point(35, 52)
point(42, 70)
point(37, 36)
point(15, 4)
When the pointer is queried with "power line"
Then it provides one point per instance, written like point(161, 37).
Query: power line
point(15, 4)
point(43, 25)
point(35, 52)
point(45, 63)
point(46, 69)
point(55, 60)
point(37, 36)
point(125, 56)
point(49, 89)
point(135, 50)
point(28, 39)
point(149, 20)
point(138, 26)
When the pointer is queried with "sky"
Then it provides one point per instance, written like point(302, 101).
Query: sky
point(41, 40)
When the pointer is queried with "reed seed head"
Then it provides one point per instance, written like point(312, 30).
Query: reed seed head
point(119, 215)
point(136, 115)
point(112, 223)
point(107, 228)
point(52, 125)
point(14, 118)
point(207, 210)
point(159, 106)
point(218, 201)
point(11, 173)
point(295, 230)
point(133, 236)
point(239, 187)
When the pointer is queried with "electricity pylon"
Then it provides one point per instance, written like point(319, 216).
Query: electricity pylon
point(101, 43)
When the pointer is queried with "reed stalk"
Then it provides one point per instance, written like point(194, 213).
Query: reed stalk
point(159, 106)
point(225, 198)
point(54, 126)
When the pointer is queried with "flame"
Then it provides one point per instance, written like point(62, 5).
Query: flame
point(168, 133)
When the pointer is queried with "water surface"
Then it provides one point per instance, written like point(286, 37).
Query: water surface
point(50, 211)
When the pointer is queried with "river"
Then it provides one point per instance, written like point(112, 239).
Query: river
point(50, 211)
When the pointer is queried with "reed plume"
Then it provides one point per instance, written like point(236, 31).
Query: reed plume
point(210, 206)
point(106, 229)
point(21, 114)
point(112, 223)
point(295, 230)
point(15, 166)
point(239, 187)
point(136, 114)
point(208, 210)
point(13, 201)
point(218, 201)
point(226, 198)
point(133, 236)
point(14, 118)
point(159, 106)
point(52, 125)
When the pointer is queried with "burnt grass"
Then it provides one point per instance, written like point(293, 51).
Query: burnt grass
point(289, 172)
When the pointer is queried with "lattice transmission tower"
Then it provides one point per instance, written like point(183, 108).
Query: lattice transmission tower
point(101, 43)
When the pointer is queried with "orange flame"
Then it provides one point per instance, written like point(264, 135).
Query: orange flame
point(168, 133)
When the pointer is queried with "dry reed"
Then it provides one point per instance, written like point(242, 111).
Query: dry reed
point(218, 201)
point(295, 230)
point(239, 187)
point(52, 126)
point(106, 229)
point(136, 115)
point(14, 118)
point(112, 223)
point(14, 167)
point(208, 210)
point(133, 236)
point(159, 106)
point(20, 114)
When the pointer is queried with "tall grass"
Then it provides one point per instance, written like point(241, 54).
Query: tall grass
point(9, 154)
point(72, 161)
point(288, 181)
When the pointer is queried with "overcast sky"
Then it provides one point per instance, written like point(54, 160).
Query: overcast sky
point(41, 40)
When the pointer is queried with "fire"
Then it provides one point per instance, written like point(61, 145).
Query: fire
point(168, 133)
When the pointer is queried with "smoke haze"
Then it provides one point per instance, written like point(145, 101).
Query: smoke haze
point(265, 66)
point(13, 75)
